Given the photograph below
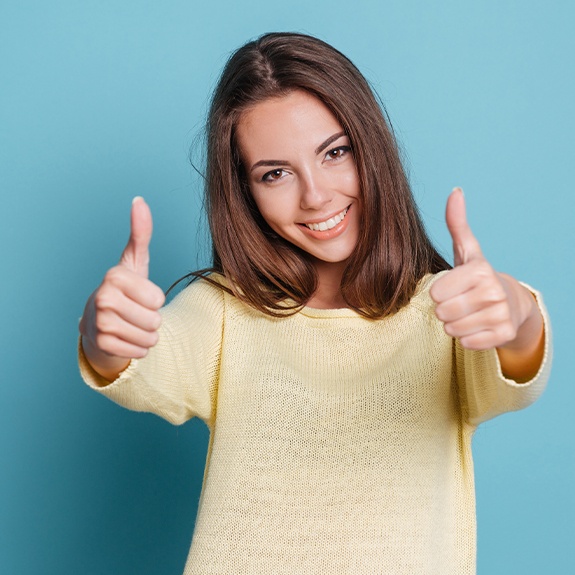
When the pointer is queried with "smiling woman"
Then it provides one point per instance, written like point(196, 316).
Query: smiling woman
point(311, 198)
point(341, 365)
point(265, 269)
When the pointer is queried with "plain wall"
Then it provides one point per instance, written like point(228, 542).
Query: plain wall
point(101, 101)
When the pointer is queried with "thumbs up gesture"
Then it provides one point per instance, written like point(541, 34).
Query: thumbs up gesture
point(481, 307)
point(121, 317)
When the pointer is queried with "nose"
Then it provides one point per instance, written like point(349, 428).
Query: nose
point(314, 192)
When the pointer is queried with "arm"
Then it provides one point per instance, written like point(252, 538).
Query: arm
point(122, 322)
point(178, 378)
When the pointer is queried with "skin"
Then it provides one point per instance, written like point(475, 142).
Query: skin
point(301, 171)
point(486, 309)
point(121, 317)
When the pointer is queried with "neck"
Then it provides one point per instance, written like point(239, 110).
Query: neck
point(328, 292)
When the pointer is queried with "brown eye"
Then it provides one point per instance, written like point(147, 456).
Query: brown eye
point(273, 175)
point(338, 153)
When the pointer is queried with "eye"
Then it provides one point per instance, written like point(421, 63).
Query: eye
point(337, 153)
point(273, 175)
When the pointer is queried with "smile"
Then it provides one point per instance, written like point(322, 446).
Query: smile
point(328, 224)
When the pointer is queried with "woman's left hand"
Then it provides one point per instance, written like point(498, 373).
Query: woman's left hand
point(483, 308)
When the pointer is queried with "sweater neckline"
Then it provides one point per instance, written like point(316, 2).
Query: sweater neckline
point(346, 312)
point(315, 312)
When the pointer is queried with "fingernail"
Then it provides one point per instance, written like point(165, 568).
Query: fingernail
point(458, 189)
point(136, 198)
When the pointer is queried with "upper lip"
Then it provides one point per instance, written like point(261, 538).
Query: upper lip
point(325, 218)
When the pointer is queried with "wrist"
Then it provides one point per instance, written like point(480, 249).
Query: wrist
point(524, 312)
point(106, 365)
point(521, 357)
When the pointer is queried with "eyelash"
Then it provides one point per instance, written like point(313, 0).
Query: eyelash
point(267, 176)
point(342, 151)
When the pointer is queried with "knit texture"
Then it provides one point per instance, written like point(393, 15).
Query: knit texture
point(338, 444)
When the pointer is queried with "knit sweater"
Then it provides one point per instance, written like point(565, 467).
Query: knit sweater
point(338, 444)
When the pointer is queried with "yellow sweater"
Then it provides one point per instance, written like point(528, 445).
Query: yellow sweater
point(338, 445)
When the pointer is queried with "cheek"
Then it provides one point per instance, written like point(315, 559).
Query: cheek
point(275, 208)
point(352, 184)
point(267, 212)
point(261, 204)
point(346, 182)
point(276, 218)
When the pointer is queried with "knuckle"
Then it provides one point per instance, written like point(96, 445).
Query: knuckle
point(487, 276)
point(104, 343)
point(500, 314)
point(103, 323)
point(461, 308)
point(449, 329)
point(142, 339)
point(159, 298)
point(494, 293)
point(508, 333)
point(111, 275)
point(157, 321)
point(467, 342)
point(155, 338)
point(440, 312)
point(103, 299)
point(114, 276)
point(484, 267)
point(150, 340)
point(139, 353)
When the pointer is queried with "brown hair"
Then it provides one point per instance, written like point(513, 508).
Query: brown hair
point(263, 269)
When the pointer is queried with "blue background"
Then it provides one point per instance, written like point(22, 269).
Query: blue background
point(101, 101)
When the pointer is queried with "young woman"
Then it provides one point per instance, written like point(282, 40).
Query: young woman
point(341, 365)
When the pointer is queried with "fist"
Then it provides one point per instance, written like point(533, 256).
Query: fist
point(121, 317)
point(481, 307)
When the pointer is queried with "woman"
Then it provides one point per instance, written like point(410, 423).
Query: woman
point(339, 362)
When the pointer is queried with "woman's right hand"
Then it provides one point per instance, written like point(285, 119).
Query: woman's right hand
point(121, 317)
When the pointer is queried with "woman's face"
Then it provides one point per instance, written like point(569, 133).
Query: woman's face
point(302, 174)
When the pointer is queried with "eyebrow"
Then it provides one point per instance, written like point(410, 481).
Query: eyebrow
point(318, 150)
point(331, 139)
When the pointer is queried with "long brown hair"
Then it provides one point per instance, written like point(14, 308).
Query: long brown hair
point(264, 270)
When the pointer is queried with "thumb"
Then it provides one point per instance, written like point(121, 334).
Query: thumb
point(136, 255)
point(465, 245)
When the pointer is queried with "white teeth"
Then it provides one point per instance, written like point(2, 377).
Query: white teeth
point(328, 224)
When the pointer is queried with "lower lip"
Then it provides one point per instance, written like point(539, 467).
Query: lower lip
point(329, 234)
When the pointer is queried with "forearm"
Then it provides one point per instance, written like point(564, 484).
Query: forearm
point(521, 358)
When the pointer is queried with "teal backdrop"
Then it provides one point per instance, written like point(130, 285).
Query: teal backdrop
point(102, 100)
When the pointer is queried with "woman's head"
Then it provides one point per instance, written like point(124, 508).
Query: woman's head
point(301, 174)
point(392, 250)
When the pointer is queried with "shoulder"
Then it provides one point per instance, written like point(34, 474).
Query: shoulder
point(202, 296)
point(210, 296)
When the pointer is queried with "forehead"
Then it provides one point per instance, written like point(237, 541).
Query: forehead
point(297, 120)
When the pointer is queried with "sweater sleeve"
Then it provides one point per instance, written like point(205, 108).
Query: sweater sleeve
point(178, 378)
point(484, 391)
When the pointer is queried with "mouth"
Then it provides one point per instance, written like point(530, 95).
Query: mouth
point(328, 224)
